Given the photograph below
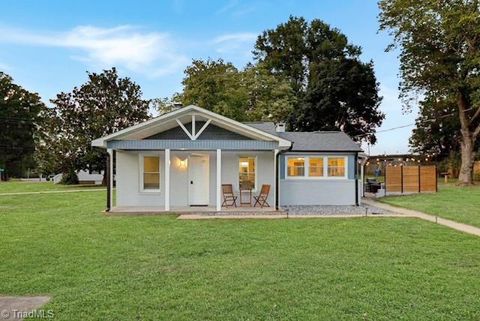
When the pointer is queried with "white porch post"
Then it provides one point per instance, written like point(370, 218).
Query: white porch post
point(219, 180)
point(110, 177)
point(167, 179)
point(362, 168)
point(275, 173)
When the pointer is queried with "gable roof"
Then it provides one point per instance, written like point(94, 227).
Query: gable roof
point(334, 141)
point(167, 121)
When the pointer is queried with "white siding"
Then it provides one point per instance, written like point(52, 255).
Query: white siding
point(230, 169)
point(128, 179)
point(128, 182)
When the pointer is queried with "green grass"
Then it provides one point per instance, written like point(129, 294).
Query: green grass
point(461, 204)
point(23, 186)
point(158, 268)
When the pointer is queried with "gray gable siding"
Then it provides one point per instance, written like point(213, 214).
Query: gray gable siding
point(212, 132)
point(206, 144)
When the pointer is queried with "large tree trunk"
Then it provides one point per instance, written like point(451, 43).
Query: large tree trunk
point(468, 157)
point(467, 144)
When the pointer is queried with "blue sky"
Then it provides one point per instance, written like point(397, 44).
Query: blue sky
point(47, 46)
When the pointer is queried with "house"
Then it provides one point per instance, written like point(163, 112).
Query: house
point(179, 160)
point(84, 177)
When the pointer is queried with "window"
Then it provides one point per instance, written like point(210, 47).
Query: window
point(315, 166)
point(247, 172)
point(296, 166)
point(151, 173)
point(336, 166)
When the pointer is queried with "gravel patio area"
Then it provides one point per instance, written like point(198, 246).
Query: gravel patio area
point(334, 210)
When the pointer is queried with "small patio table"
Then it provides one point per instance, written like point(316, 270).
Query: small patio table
point(246, 190)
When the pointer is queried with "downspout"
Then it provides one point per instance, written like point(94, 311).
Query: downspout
point(277, 176)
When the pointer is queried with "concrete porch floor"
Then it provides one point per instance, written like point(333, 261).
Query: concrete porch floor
point(194, 210)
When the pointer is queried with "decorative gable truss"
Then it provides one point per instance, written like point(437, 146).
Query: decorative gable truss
point(138, 136)
point(194, 134)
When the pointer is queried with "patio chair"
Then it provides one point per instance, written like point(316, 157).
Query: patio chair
point(261, 199)
point(229, 199)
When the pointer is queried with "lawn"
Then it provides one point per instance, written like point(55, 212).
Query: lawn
point(23, 186)
point(461, 204)
point(158, 268)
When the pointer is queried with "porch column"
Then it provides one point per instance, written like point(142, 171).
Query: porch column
point(275, 173)
point(219, 180)
point(362, 185)
point(109, 170)
point(167, 179)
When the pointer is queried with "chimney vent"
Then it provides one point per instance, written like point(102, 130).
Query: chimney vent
point(280, 128)
point(176, 105)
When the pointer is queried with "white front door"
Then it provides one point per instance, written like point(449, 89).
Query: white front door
point(198, 180)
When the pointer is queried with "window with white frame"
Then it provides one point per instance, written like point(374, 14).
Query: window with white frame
point(316, 166)
point(247, 172)
point(336, 166)
point(296, 166)
point(151, 173)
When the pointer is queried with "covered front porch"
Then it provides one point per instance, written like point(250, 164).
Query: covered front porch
point(181, 181)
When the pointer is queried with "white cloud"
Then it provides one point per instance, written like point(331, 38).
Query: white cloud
point(227, 7)
point(235, 43)
point(150, 53)
point(235, 37)
point(236, 9)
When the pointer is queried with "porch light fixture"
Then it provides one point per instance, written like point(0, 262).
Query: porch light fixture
point(182, 163)
point(244, 164)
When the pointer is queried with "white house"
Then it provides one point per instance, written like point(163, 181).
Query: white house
point(181, 159)
point(84, 177)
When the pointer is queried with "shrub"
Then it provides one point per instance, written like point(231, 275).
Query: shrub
point(69, 178)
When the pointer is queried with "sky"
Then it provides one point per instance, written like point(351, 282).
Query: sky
point(48, 46)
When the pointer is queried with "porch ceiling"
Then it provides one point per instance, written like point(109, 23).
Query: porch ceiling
point(156, 144)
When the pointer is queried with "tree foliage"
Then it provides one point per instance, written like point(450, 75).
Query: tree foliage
point(440, 58)
point(19, 117)
point(105, 104)
point(251, 94)
point(335, 90)
point(436, 128)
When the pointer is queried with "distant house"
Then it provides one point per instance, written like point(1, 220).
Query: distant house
point(181, 160)
point(84, 177)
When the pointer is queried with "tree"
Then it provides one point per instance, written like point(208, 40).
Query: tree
point(165, 105)
point(436, 128)
point(101, 106)
point(270, 98)
point(334, 89)
point(440, 57)
point(19, 116)
point(251, 94)
point(213, 85)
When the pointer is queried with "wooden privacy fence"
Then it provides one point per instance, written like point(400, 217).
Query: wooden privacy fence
point(410, 179)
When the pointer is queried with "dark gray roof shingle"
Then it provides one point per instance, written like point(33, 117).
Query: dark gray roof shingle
point(335, 141)
point(268, 127)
